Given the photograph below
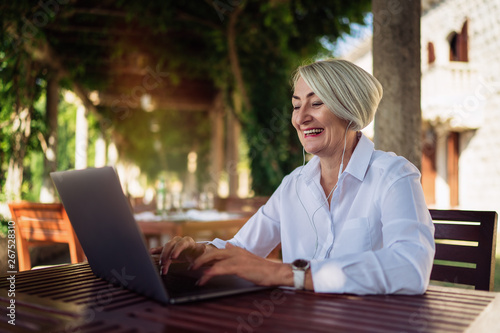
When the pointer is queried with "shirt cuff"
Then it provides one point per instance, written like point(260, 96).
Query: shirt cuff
point(218, 243)
point(328, 276)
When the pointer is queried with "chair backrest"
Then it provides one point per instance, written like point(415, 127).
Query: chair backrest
point(41, 221)
point(465, 247)
point(240, 205)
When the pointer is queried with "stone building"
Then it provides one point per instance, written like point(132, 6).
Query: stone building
point(460, 45)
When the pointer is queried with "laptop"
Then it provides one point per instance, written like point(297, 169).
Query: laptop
point(114, 245)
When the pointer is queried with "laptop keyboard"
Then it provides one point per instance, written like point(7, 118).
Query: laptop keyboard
point(179, 280)
point(179, 283)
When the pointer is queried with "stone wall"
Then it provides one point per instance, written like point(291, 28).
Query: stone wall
point(479, 163)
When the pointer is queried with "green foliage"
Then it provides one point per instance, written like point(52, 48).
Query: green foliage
point(33, 176)
point(21, 84)
point(11, 93)
point(4, 226)
point(66, 135)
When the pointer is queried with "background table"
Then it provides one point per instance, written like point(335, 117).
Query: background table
point(71, 299)
point(199, 230)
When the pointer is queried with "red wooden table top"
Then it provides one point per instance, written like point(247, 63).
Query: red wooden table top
point(71, 299)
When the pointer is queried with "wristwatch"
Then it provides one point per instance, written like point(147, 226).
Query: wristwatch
point(300, 267)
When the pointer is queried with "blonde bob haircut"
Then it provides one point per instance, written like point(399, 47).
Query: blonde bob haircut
point(347, 90)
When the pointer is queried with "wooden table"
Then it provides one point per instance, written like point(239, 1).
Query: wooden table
point(71, 299)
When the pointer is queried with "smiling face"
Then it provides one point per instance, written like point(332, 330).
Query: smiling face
point(319, 130)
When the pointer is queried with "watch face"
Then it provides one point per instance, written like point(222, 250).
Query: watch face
point(300, 263)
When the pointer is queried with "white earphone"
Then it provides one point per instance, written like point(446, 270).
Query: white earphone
point(343, 152)
point(311, 219)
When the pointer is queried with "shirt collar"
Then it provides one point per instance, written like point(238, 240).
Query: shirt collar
point(360, 159)
point(357, 166)
point(311, 169)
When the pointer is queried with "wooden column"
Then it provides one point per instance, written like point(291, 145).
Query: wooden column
point(396, 64)
point(100, 150)
point(217, 145)
point(233, 136)
point(81, 141)
point(47, 193)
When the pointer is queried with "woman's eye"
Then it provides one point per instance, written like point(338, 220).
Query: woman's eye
point(317, 103)
point(296, 107)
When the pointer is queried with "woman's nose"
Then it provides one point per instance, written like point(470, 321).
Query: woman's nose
point(302, 116)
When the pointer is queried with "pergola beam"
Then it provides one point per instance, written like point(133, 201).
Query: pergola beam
point(95, 30)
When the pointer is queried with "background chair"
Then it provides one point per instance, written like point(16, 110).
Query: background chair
point(38, 224)
point(207, 231)
point(245, 206)
point(465, 247)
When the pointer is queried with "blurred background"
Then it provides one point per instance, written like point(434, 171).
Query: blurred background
point(190, 100)
point(188, 97)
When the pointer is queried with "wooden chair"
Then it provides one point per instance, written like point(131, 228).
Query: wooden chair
point(246, 206)
point(465, 247)
point(39, 223)
point(207, 231)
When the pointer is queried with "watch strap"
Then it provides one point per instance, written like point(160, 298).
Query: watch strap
point(299, 276)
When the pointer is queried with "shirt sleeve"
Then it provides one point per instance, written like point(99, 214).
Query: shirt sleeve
point(403, 264)
point(261, 234)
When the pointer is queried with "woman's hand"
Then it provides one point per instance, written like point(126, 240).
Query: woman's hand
point(180, 249)
point(240, 262)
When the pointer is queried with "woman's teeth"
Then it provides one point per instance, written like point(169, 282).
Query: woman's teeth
point(313, 131)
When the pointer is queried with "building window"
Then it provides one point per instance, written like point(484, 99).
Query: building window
point(459, 45)
point(431, 55)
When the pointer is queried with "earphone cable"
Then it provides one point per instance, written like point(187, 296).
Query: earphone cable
point(311, 219)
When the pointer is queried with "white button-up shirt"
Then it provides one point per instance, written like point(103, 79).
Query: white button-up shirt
point(376, 237)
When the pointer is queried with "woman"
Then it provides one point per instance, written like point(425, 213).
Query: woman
point(352, 220)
